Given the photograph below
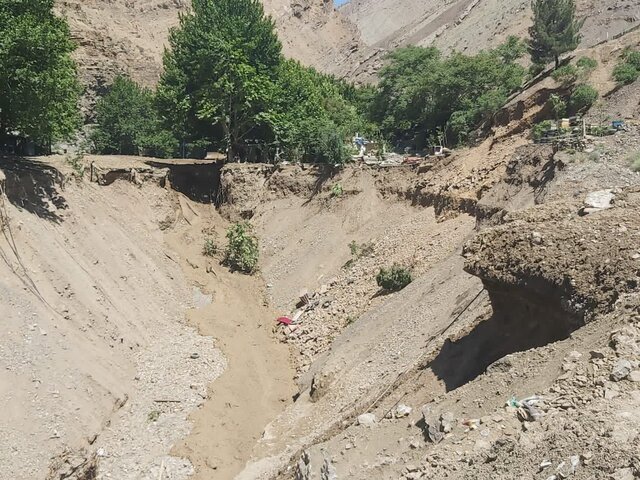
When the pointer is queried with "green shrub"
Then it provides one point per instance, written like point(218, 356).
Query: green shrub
point(634, 161)
point(632, 58)
point(394, 278)
point(539, 129)
point(210, 248)
point(582, 98)
point(586, 64)
point(242, 252)
point(565, 75)
point(558, 106)
point(625, 74)
point(337, 190)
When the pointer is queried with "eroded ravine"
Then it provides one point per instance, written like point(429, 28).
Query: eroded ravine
point(257, 382)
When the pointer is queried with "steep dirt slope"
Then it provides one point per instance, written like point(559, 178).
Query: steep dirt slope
point(101, 286)
point(82, 330)
point(129, 37)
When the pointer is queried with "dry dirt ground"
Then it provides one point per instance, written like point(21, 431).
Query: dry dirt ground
point(128, 353)
point(101, 368)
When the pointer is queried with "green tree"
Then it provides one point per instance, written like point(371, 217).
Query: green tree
point(582, 98)
point(128, 123)
point(311, 115)
point(220, 71)
point(555, 30)
point(421, 92)
point(39, 89)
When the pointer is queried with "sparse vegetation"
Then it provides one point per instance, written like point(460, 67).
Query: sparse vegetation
point(359, 251)
point(77, 163)
point(242, 252)
point(628, 69)
point(565, 75)
point(153, 416)
point(362, 250)
point(586, 64)
point(337, 190)
point(395, 278)
point(558, 106)
point(539, 129)
point(634, 161)
point(210, 248)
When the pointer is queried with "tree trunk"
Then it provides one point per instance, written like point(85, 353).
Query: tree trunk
point(557, 61)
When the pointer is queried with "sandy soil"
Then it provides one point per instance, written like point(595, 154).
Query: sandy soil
point(257, 382)
point(102, 370)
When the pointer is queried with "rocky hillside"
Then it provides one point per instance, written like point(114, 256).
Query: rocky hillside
point(129, 37)
point(468, 25)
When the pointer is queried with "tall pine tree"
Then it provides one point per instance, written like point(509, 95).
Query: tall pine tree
point(220, 72)
point(555, 30)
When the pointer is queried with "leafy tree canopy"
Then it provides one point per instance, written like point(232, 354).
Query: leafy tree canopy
point(39, 89)
point(220, 71)
point(421, 91)
point(128, 122)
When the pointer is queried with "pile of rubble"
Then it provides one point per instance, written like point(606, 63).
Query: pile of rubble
point(319, 316)
point(593, 404)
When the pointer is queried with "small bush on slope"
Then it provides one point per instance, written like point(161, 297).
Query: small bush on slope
point(242, 252)
point(394, 278)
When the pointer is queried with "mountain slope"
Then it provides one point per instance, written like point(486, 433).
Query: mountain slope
point(473, 24)
point(129, 37)
point(468, 25)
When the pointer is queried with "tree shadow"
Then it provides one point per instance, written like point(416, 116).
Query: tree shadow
point(34, 186)
point(323, 174)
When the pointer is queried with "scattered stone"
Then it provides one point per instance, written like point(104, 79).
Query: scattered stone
point(634, 376)
point(623, 474)
point(610, 394)
point(573, 356)
point(446, 422)
point(545, 464)
point(415, 444)
point(621, 370)
point(367, 419)
point(194, 356)
point(536, 238)
point(587, 457)
point(597, 201)
point(328, 471)
point(402, 410)
point(432, 427)
point(414, 475)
